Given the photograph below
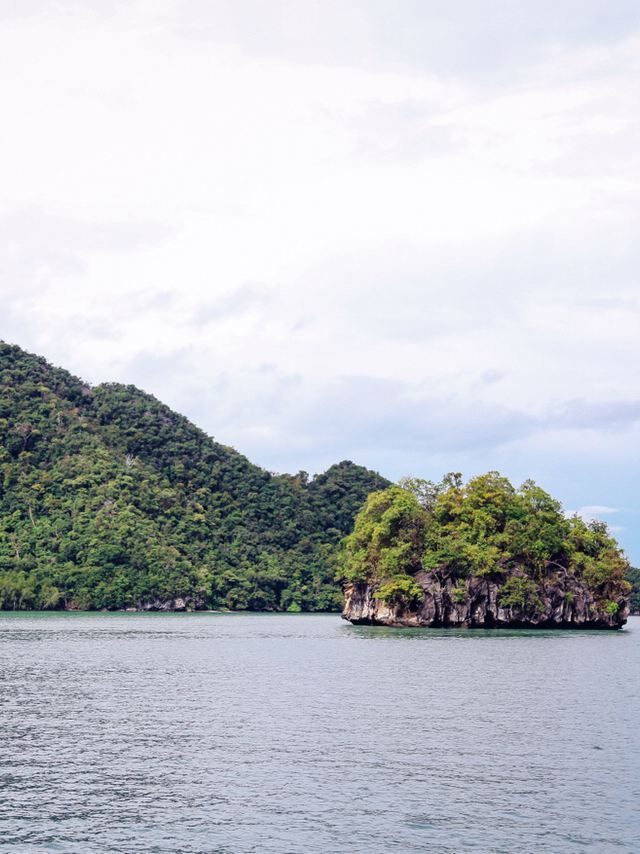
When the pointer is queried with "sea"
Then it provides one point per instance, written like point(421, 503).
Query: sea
point(290, 734)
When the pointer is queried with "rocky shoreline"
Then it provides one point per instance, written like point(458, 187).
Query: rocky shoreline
point(176, 604)
point(566, 603)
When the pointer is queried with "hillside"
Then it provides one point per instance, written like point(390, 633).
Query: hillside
point(109, 499)
point(481, 554)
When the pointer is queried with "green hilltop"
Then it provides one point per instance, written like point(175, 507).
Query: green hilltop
point(109, 499)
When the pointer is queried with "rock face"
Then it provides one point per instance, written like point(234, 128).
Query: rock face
point(566, 604)
point(177, 604)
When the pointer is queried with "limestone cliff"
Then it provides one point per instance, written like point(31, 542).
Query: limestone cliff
point(483, 554)
point(563, 601)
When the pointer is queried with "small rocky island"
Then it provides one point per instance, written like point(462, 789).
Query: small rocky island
point(480, 555)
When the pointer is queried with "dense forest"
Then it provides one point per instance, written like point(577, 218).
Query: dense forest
point(419, 537)
point(108, 499)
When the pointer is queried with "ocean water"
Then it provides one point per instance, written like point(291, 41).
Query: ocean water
point(301, 733)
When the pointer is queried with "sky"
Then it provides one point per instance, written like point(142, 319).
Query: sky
point(402, 232)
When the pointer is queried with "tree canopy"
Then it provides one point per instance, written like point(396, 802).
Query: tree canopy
point(109, 499)
point(485, 527)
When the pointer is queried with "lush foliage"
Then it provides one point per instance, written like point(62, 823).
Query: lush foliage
point(483, 528)
point(388, 536)
point(400, 590)
point(108, 499)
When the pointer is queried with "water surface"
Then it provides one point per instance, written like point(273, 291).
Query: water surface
point(233, 733)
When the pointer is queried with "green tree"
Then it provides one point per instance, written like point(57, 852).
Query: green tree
point(109, 499)
point(486, 527)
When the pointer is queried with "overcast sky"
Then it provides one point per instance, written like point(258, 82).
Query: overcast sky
point(403, 232)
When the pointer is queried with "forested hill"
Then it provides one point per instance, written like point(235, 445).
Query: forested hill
point(109, 499)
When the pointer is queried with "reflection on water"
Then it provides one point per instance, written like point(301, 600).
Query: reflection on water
point(371, 632)
point(301, 733)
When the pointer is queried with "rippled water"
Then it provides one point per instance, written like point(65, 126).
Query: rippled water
point(259, 733)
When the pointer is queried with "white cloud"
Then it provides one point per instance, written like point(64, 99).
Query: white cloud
point(242, 212)
point(600, 513)
point(595, 511)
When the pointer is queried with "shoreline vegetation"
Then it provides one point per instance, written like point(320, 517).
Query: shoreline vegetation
point(110, 501)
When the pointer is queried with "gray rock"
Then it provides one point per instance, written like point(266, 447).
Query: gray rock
point(567, 603)
point(177, 603)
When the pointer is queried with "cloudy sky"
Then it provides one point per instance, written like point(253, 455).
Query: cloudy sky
point(403, 232)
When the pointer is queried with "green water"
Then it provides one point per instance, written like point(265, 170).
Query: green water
point(300, 733)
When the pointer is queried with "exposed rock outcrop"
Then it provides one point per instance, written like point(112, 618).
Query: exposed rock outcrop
point(564, 601)
point(178, 603)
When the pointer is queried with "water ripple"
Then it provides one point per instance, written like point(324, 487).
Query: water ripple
point(234, 734)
